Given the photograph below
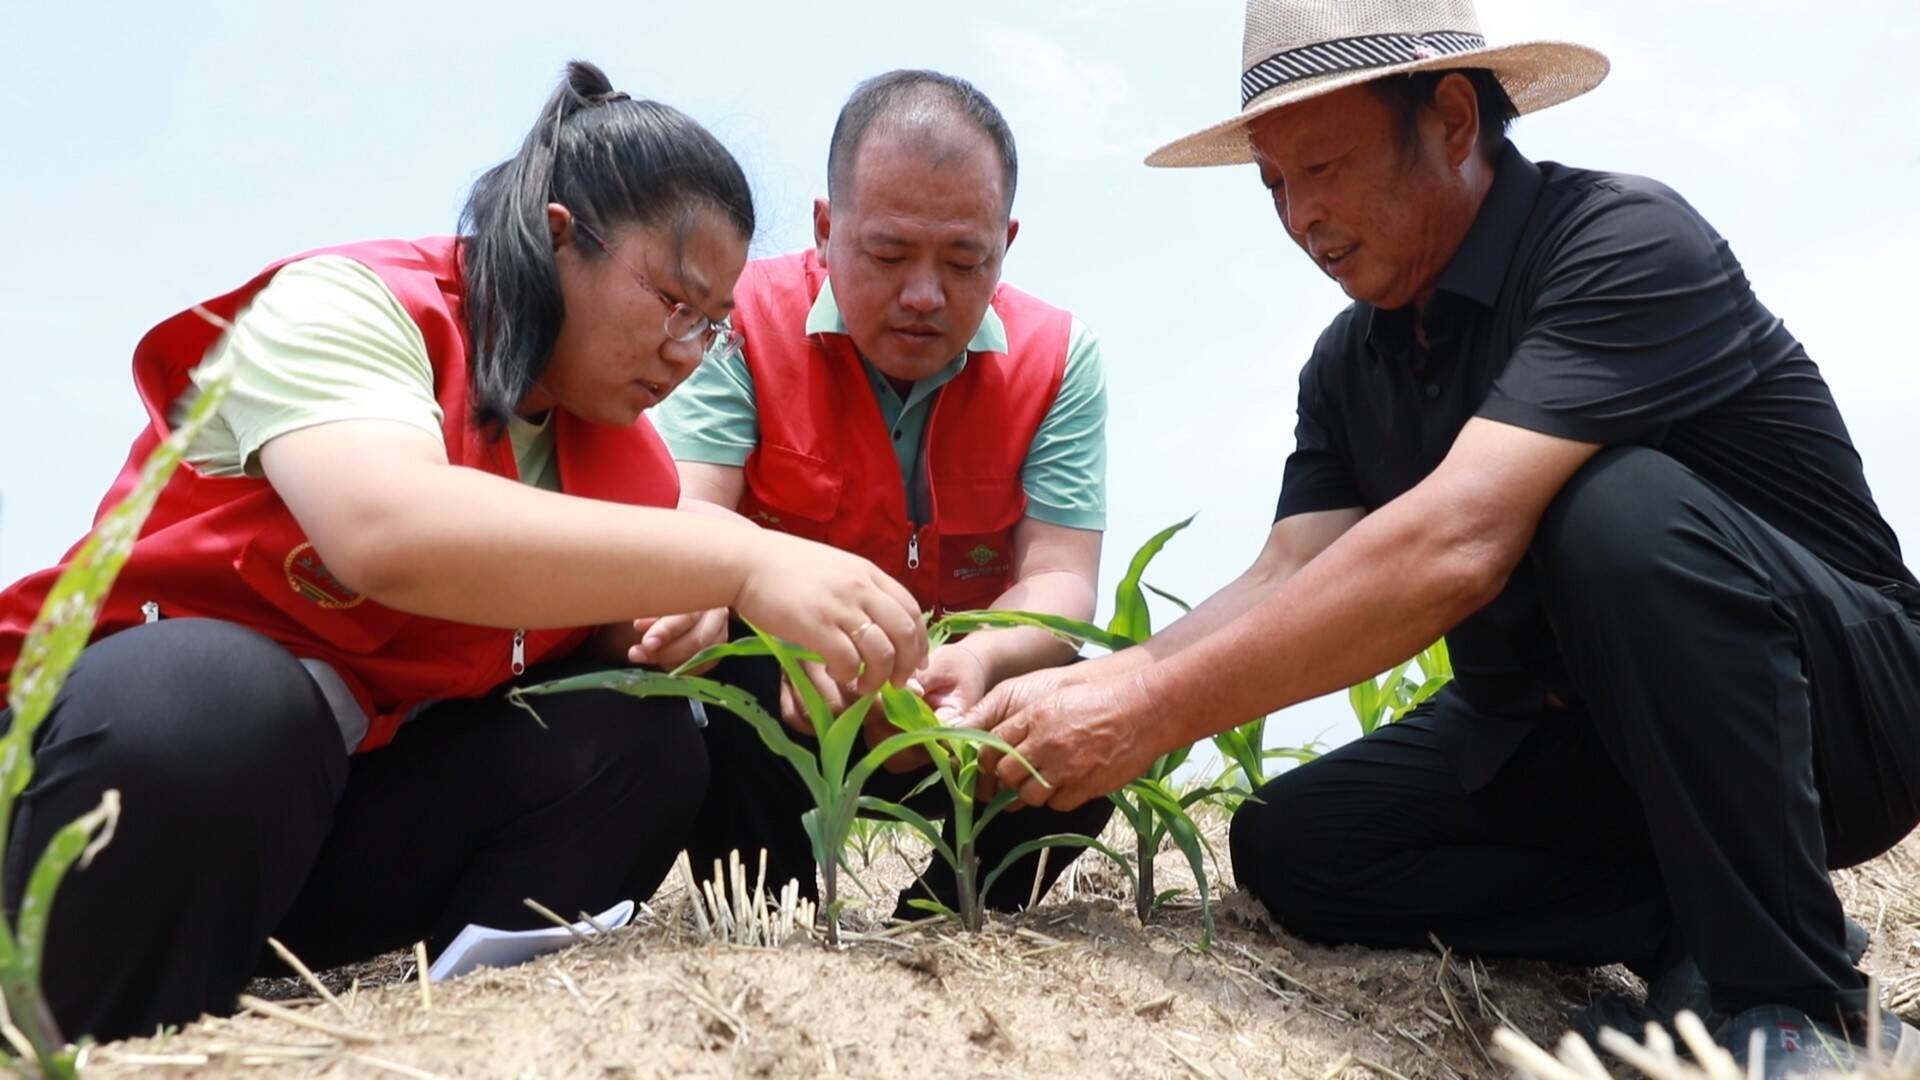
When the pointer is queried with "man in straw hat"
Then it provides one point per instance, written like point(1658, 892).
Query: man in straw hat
point(1556, 426)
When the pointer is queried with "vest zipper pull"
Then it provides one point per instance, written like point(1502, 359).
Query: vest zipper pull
point(150, 612)
point(519, 652)
point(913, 550)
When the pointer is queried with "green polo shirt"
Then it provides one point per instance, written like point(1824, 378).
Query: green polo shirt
point(712, 418)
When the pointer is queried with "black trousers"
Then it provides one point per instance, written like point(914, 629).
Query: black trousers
point(755, 800)
point(1744, 719)
point(243, 817)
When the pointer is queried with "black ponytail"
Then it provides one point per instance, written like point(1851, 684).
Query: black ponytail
point(614, 161)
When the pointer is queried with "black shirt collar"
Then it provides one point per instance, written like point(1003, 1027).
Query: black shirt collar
point(1478, 268)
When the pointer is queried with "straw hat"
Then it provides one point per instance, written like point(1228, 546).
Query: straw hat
point(1300, 49)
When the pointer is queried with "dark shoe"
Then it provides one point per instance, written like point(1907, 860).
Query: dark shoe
point(1680, 988)
point(1793, 1044)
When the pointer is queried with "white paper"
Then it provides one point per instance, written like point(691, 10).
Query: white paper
point(483, 946)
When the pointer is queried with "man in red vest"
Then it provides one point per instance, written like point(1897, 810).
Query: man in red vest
point(893, 399)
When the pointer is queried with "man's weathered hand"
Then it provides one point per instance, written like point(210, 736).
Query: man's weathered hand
point(1085, 738)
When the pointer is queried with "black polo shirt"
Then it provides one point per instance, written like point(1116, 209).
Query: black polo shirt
point(1598, 307)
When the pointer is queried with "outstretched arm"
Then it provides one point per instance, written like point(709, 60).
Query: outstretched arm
point(394, 520)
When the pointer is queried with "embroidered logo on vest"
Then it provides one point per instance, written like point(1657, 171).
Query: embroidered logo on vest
point(309, 577)
point(982, 555)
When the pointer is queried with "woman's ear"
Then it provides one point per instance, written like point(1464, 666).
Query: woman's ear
point(559, 225)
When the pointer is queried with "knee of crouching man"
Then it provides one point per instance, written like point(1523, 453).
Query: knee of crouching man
point(1611, 519)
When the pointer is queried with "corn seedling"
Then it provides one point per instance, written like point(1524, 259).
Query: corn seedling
point(833, 776)
point(1245, 753)
point(1154, 808)
point(872, 837)
point(1386, 700)
point(956, 766)
point(58, 635)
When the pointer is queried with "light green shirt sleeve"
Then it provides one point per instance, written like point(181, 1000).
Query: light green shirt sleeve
point(325, 340)
point(1065, 475)
point(710, 417)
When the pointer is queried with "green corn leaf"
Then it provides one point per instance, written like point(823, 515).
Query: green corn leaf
point(638, 682)
point(78, 842)
point(1131, 619)
point(1365, 698)
point(790, 657)
point(933, 907)
point(1187, 838)
point(1301, 754)
point(1128, 810)
point(1070, 630)
point(905, 709)
point(1057, 840)
point(1436, 661)
point(1167, 764)
point(917, 821)
point(1203, 794)
point(726, 650)
point(54, 641)
point(906, 740)
point(1168, 597)
point(825, 849)
point(1001, 800)
point(836, 745)
point(65, 622)
point(1420, 696)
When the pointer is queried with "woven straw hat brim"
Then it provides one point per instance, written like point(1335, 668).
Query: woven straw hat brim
point(1535, 74)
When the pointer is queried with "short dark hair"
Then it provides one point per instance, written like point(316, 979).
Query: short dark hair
point(892, 97)
point(1410, 93)
point(613, 161)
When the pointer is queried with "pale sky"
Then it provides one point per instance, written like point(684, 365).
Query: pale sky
point(158, 154)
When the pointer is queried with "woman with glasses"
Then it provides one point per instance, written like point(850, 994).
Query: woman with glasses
point(431, 479)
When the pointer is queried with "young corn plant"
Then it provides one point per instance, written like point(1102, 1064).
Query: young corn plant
point(1243, 749)
point(1386, 700)
point(1153, 806)
point(1245, 755)
point(833, 775)
point(956, 765)
point(54, 642)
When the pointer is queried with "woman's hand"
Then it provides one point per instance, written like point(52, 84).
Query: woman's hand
point(862, 623)
point(667, 641)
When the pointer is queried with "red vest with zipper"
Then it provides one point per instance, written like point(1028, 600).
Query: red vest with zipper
point(228, 548)
point(825, 467)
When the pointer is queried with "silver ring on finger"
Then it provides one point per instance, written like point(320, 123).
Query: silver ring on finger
point(860, 630)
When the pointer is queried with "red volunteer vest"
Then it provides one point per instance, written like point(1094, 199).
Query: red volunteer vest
point(825, 467)
point(227, 548)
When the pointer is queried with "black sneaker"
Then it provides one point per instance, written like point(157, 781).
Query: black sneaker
point(1792, 1044)
point(1678, 989)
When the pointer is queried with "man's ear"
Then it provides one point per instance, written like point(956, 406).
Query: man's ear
point(559, 225)
point(822, 227)
point(1013, 230)
point(1458, 109)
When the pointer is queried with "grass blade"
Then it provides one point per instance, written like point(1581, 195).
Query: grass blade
point(1056, 840)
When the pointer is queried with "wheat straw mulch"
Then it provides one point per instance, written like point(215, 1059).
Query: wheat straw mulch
point(1074, 987)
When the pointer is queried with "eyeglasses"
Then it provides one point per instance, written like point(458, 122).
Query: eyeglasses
point(718, 339)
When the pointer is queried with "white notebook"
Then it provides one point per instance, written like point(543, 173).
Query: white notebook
point(483, 946)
